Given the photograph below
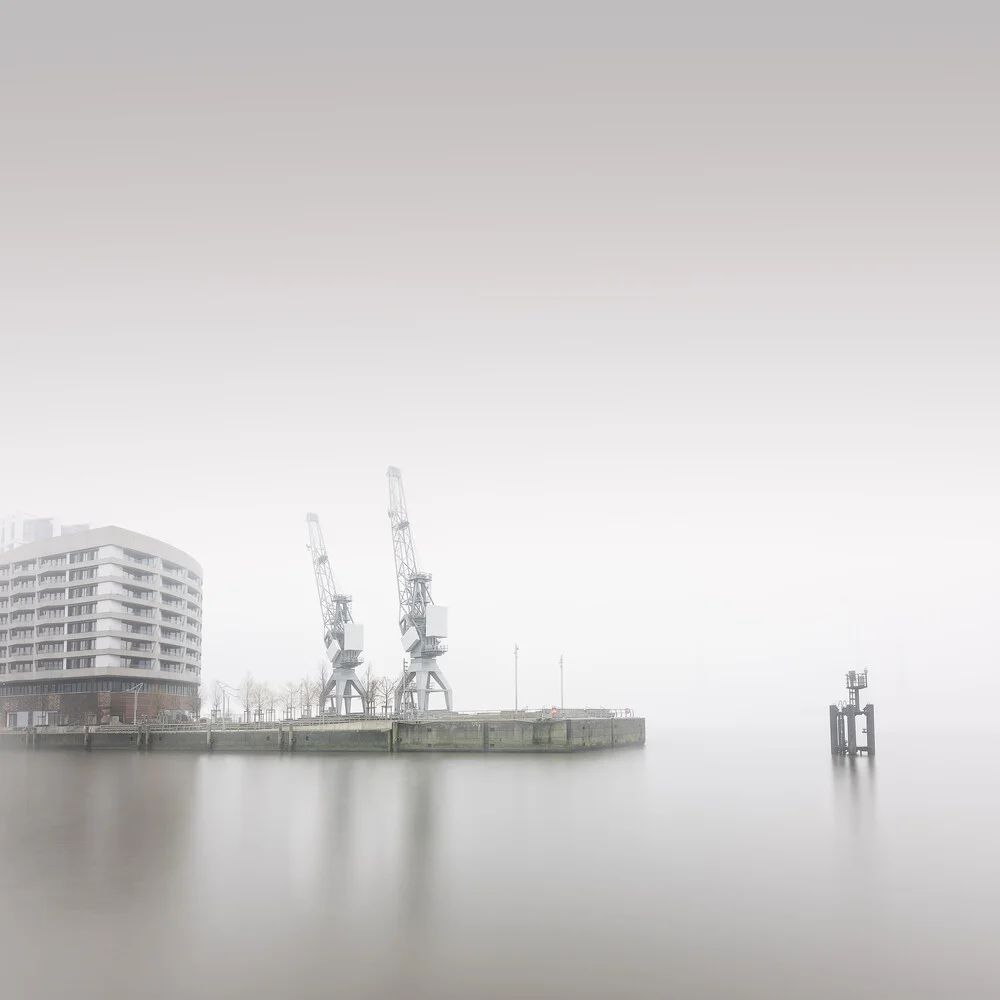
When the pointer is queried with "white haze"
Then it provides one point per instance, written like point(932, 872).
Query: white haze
point(682, 331)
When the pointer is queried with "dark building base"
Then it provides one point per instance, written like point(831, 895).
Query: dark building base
point(96, 707)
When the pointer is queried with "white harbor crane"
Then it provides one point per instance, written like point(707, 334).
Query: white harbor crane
point(422, 623)
point(343, 637)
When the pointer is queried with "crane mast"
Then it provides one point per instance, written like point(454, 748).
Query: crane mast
point(342, 636)
point(422, 623)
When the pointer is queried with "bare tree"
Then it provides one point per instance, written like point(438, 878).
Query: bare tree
point(261, 695)
point(156, 701)
point(270, 701)
point(321, 681)
point(306, 694)
point(217, 699)
point(368, 681)
point(248, 690)
point(386, 687)
point(289, 696)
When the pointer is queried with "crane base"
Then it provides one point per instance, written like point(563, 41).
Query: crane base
point(422, 679)
point(341, 688)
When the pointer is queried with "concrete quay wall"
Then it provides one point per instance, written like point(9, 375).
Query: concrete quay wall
point(454, 735)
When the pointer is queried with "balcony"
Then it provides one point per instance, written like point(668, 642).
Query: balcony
point(137, 663)
point(138, 595)
point(136, 559)
point(138, 612)
point(52, 598)
point(48, 563)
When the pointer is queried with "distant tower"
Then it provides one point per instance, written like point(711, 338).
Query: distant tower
point(422, 623)
point(344, 638)
point(843, 719)
point(23, 529)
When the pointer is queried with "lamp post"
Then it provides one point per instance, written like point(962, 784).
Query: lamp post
point(135, 703)
point(515, 677)
point(226, 691)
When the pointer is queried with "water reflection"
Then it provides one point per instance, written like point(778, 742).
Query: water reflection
point(633, 875)
point(417, 839)
point(855, 810)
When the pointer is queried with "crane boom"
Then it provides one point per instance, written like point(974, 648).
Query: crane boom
point(334, 607)
point(422, 624)
point(411, 602)
point(342, 637)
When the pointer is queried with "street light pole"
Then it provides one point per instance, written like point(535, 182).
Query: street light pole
point(515, 677)
point(226, 692)
point(135, 703)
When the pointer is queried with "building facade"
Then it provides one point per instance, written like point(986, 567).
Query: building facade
point(97, 625)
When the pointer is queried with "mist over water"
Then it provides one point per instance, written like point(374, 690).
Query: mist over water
point(682, 325)
point(701, 866)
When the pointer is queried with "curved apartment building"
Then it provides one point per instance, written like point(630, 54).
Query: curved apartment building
point(95, 625)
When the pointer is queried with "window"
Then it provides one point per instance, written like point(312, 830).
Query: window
point(81, 609)
point(82, 574)
point(77, 627)
point(50, 629)
point(83, 591)
point(79, 662)
point(77, 644)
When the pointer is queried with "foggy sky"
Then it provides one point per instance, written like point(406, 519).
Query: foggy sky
point(681, 327)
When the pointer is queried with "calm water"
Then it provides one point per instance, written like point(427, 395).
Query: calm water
point(692, 868)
